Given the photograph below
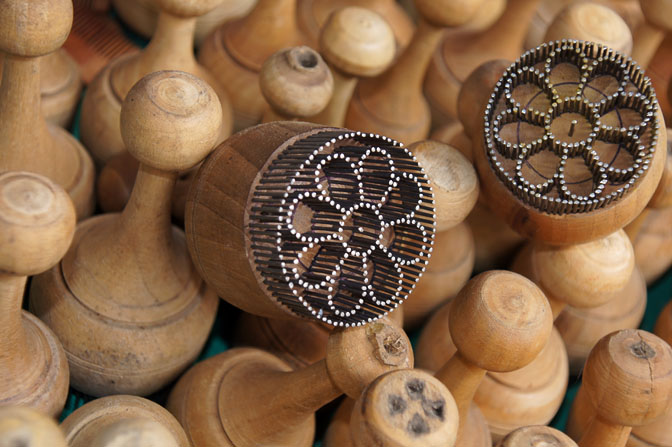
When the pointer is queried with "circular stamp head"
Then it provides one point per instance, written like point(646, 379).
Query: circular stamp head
point(405, 408)
point(341, 226)
point(537, 436)
point(571, 133)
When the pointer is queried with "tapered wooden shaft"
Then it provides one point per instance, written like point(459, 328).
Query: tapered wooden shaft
point(13, 342)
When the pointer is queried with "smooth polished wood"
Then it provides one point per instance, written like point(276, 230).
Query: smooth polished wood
point(628, 378)
point(653, 244)
point(142, 16)
point(296, 83)
point(128, 280)
point(25, 427)
point(393, 103)
point(171, 48)
point(650, 33)
point(123, 420)
point(37, 223)
point(356, 42)
point(500, 321)
point(592, 22)
point(537, 435)
point(246, 396)
point(236, 50)
point(27, 141)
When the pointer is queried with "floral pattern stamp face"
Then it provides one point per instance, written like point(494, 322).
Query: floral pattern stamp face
point(341, 226)
point(571, 127)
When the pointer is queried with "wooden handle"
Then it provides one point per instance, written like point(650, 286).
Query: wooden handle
point(499, 322)
point(296, 82)
point(592, 22)
point(257, 400)
point(122, 420)
point(405, 408)
point(453, 178)
point(582, 275)
point(628, 377)
point(20, 426)
point(537, 436)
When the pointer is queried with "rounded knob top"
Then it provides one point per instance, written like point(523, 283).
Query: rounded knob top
point(658, 12)
point(357, 41)
point(34, 28)
point(187, 8)
point(475, 93)
point(25, 427)
point(450, 13)
point(357, 355)
point(628, 377)
point(592, 22)
point(500, 321)
point(405, 408)
point(135, 433)
point(170, 120)
point(296, 82)
point(37, 223)
point(454, 181)
point(537, 435)
point(585, 275)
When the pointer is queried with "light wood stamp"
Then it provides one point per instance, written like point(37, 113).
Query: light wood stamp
point(592, 22)
point(458, 56)
point(312, 221)
point(142, 16)
point(314, 14)
point(650, 33)
point(37, 226)
point(393, 103)
point(296, 83)
point(171, 48)
point(246, 396)
point(236, 50)
point(403, 408)
point(356, 42)
point(628, 378)
point(123, 421)
point(26, 427)
point(27, 141)
point(128, 280)
point(537, 436)
point(500, 321)
point(60, 87)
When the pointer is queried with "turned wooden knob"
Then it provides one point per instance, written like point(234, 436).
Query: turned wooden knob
point(227, 399)
point(628, 379)
point(187, 8)
point(404, 408)
point(548, 166)
point(20, 426)
point(591, 22)
point(357, 41)
point(581, 275)
point(453, 178)
point(36, 228)
point(296, 82)
point(537, 436)
point(22, 26)
point(500, 321)
point(346, 246)
point(123, 421)
point(170, 120)
point(452, 13)
point(133, 268)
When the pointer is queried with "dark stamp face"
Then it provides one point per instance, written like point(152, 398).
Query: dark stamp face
point(571, 127)
point(342, 225)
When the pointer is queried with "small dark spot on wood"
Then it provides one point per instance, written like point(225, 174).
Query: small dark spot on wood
point(396, 404)
point(415, 389)
point(19, 442)
point(642, 350)
point(417, 426)
point(434, 408)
